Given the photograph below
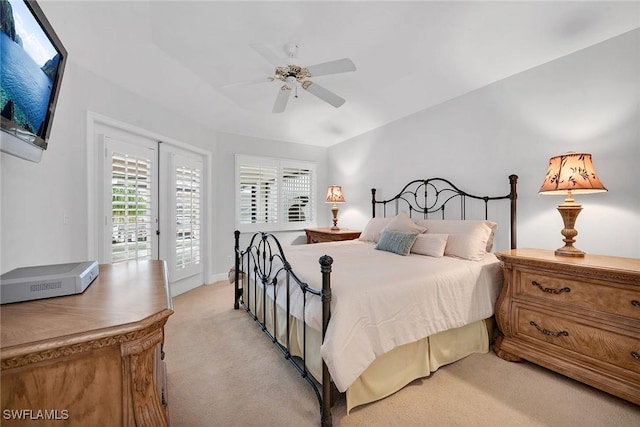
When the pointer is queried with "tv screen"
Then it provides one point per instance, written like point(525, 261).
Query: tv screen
point(32, 63)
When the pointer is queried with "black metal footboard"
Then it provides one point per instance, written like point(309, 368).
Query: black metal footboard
point(260, 267)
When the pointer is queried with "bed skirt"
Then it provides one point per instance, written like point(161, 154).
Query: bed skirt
point(389, 372)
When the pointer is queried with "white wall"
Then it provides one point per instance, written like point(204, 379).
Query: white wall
point(36, 198)
point(588, 101)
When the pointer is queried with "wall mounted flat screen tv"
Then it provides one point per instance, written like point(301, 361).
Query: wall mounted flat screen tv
point(31, 67)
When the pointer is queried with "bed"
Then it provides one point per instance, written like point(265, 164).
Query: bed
point(366, 317)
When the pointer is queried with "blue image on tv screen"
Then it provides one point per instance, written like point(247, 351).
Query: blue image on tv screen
point(28, 68)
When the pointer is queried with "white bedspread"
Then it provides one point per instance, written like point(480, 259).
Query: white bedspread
point(381, 300)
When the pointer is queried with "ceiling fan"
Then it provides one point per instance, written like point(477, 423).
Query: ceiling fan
point(293, 75)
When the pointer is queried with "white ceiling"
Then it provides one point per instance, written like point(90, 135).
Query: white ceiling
point(409, 55)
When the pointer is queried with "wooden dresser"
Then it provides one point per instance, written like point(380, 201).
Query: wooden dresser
point(90, 359)
point(577, 316)
point(326, 234)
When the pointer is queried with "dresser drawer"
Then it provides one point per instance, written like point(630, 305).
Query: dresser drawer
point(571, 334)
point(594, 294)
point(318, 238)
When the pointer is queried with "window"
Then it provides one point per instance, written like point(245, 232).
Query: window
point(274, 194)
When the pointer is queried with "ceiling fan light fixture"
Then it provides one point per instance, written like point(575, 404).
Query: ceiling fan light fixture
point(290, 81)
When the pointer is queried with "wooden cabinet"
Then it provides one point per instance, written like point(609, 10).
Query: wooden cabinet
point(89, 359)
point(319, 235)
point(577, 316)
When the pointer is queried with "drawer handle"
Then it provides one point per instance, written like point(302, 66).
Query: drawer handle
point(550, 290)
point(635, 303)
point(635, 355)
point(548, 332)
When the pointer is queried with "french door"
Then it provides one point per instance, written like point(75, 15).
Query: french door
point(149, 199)
point(181, 201)
point(130, 196)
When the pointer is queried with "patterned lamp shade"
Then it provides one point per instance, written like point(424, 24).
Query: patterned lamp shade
point(334, 194)
point(571, 172)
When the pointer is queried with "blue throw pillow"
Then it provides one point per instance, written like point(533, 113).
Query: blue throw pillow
point(396, 242)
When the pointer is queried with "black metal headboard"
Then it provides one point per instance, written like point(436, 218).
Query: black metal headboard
point(432, 195)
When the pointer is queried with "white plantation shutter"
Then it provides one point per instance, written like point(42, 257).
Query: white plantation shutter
point(273, 194)
point(296, 191)
point(132, 215)
point(188, 185)
point(258, 193)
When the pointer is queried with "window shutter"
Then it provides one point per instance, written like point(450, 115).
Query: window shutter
point(188, 222)
point(258, 194)
point(131, 212)
point(296, 191)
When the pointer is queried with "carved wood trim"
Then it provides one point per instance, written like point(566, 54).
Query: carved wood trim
point(147, 405)
point(504, 301)
point(77, 348)
point(141, 404)
point(144, 341)
point(497, 348)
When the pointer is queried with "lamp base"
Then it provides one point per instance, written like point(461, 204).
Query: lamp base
point(569, 251)
point(569, 212)
point(334, 211)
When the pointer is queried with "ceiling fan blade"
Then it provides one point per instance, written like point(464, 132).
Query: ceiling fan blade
point(268, 54)
point(331, 67)
point(247, 82)
point(322, 93)
point(282, 99)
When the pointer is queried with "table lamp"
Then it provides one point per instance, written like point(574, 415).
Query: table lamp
point(571, 173)
point(334, 195)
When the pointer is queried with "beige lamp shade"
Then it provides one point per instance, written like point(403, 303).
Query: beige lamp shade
point(571, 172)
point(567, 174)
point(334, 194)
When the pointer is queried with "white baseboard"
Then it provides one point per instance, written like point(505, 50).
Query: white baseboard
point(186, 285)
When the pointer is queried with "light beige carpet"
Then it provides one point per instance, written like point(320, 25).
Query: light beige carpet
point(223, 371)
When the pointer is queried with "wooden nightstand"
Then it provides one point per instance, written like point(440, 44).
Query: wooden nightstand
point(326, 234)
point(577, 316)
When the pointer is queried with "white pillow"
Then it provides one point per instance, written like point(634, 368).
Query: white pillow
point(466, 246)
point(373, 229)
point(430, 244)
point(462, 226)
point(403, 224)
